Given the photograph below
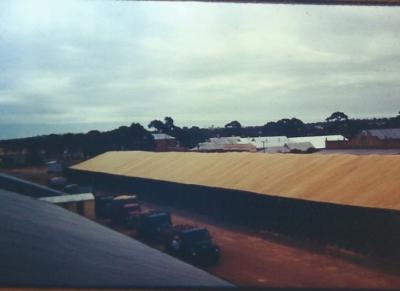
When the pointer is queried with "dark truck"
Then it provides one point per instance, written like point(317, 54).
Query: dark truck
point(192, 243)
point(125, 210)
point(188, 242)
point(103, 206)
point(153, 225)
point(122, 209)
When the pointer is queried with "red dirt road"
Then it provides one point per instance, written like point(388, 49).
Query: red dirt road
point(251, 259)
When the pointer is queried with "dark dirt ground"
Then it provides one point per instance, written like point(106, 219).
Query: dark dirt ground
point(263, 260)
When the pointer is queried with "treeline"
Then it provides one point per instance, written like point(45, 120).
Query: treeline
point(336, 123)
point(136, 137)
point(75, 146)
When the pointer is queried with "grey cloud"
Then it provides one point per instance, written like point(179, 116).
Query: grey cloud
point(201, 63)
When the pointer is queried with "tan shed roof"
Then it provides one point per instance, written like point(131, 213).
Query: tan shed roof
point(370, 181)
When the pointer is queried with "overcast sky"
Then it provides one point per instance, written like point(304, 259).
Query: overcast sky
point(78, 65)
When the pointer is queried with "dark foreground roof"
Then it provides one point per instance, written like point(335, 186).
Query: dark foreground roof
point(25, 187)
point(45, 245)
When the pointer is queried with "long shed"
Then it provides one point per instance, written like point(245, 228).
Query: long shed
point(367, 181)
point(345, 200)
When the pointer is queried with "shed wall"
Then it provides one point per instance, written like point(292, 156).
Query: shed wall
point(89, 208)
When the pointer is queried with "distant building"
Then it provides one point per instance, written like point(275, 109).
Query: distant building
point(291, 147)
point(280, 144)
point(370, 139)
point(54, 167)
point(275, 149)
point(208, 147)
point(69, 155)
point(13, 158)
point(218, 144)
point(237, 143)
point(318, 141)
point(164, 142)
point(225, 140)
point(299, 147)
point(266, 143)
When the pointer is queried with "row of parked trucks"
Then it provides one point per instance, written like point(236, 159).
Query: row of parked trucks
point(188, 242)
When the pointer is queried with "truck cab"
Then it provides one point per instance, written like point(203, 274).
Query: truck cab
point(154, 225)
point(193, 244)
point(103, 206)
point(125, 209)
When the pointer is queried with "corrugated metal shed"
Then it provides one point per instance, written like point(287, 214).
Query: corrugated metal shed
point(228, 143)
point(225, 140)
point(266, 141)
point(43, 245)
point(209, 146)
point(300, 146)
point(368, 181)
point(217, 144)
point(390, 133)
point(318, 142)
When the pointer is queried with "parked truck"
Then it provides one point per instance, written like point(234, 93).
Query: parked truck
point(192, 243)
point(103, 206)
point(122, 209)
point(125, 210)
point(153, 225)
point(188, 242)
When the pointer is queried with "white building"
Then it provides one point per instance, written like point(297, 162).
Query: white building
point(318, 142)
point(265, 142)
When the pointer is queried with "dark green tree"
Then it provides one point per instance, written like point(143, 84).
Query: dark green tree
point(233, 128)
point(337, 117)
point(169, 124)
point(157, 125)
point(233, 124)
